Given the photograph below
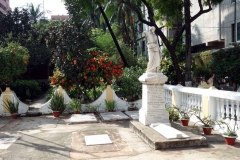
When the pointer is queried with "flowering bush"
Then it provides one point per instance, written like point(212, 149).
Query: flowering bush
point(14, 60)
point(98, 70)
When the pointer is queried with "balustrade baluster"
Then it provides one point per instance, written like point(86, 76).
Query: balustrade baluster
point(238, 113)
point(218, 109)
point(222, 108)
point(232, 122)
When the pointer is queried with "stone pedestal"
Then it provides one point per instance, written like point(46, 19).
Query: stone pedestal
point(153, 101)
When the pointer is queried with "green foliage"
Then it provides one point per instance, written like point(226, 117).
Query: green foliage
point(11, 106)
point(225, 63)
point(26, 88)
point(14, 59)
point(17, 28)
point(75, 104)
point(167, 66)
point(203, 58)
point(105, 42)
point(173, 113)
point(50, 92)
point(201, 73)
point(229, 129)
point(92, 108)
point(57, 102)
point(110, 105)
point(129, 87)
point(206, 121)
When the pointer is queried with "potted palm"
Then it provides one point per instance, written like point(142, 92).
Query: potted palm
point(230, 132)
point(75, 105)
point(206, 121)
point(11, 107)
point(110, 105)
point(57, 104)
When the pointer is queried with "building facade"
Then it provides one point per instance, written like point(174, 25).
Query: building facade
point(4, 6)
point(59, 17)
point(215, 29)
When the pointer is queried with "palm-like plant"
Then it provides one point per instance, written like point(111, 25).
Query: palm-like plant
point(11, 106)
point(35, 13)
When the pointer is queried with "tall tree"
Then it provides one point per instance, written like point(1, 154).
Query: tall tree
point(75, 6)
point(171, 12)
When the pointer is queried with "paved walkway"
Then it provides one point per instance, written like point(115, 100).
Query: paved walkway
point(48, 138)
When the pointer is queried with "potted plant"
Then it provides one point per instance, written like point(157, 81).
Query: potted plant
point(206, 121)
point(132, 106)
point(230, 132)
point(11, 107)
point(110, 105)
point(92, 108)
point(184, 115)
point(173, 112)
point(57, 104)
point(75, 105)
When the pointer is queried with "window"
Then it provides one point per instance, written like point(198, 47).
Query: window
point(233, 32)
point(232, 1)
point(238, 31)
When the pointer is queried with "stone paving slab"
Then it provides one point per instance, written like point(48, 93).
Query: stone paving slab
point(97, 139)
point(83, 118)
point(113, 116)
point(6, 142)
point(133, 114)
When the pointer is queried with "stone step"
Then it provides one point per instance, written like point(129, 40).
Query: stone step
point(157, 141)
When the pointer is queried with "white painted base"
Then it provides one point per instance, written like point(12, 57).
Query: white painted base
point(147, 117)
point(169, 132)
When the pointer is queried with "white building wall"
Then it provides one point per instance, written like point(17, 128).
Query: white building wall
point(215, 25)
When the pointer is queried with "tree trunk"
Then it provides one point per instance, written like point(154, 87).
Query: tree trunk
point(113, 37)
point(188, 79)
point(171, 48)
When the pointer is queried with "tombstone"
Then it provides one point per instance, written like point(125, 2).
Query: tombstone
point(153, 100)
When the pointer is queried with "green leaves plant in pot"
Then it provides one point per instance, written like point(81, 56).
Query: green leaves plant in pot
point(57, 104)
point(206, 121)
point(11, 107)
point(230, 132)
point(173, 112)
point(110, 105)
point(75, 105)
point(92, 108)
point(132, 106)
point(185, 115)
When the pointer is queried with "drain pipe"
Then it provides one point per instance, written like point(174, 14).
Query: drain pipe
point(220, 23)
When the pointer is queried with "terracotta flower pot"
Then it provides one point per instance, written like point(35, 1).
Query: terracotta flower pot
point(77, 112)
point(56, 113)
point(207, 130)
point(185, 122)
point(14, 115)
point(230, 140)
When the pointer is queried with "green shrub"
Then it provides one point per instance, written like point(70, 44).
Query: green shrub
point(129, 87)
point(26, 88)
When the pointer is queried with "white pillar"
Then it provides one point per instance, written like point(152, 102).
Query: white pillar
point(153, 101)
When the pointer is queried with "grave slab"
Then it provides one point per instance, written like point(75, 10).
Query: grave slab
point(169, 132)
point(113, 116)
point(133, 114)
point(7, 142)
point(83, 118)
point(97, 139)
